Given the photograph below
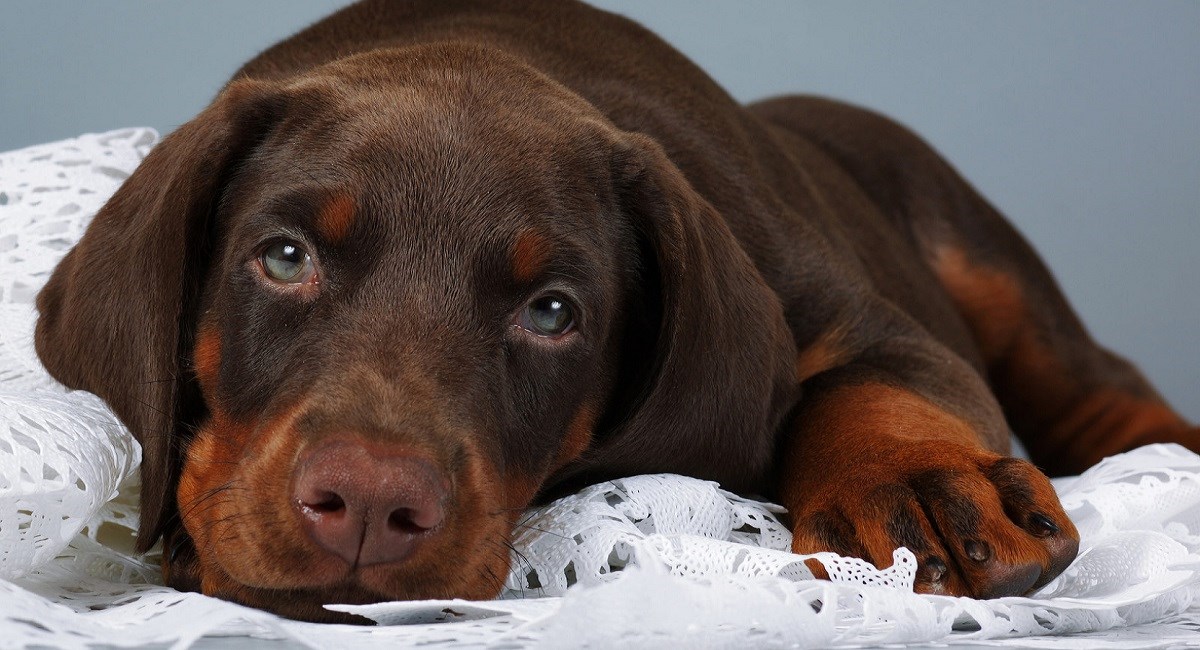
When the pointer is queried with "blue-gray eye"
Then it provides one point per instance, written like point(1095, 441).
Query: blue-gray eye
point(548, 315)
point(287, 262)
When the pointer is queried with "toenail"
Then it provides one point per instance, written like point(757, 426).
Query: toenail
point(1041, 525)
point(936, 568)
point(978, 551)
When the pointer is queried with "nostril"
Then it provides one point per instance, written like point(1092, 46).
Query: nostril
point(325, 503)
point(401, 521)
point(414, 521)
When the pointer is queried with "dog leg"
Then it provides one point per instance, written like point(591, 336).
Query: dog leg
point(1070, 401)
point(901, 446)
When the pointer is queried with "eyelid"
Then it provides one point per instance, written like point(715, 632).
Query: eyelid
point(284, 234)
point(567, 293)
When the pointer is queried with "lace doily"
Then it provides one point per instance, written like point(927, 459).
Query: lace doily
point(645, 561)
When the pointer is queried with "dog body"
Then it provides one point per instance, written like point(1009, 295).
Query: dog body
point(425, 263)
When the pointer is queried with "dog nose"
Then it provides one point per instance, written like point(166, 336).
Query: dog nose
point(367, 508)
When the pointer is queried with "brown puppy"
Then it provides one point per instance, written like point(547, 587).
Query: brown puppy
point(427, 262)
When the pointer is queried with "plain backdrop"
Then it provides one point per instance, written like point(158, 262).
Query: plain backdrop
point(1080, 120)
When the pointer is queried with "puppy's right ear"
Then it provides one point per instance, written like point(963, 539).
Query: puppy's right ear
point(117, 313)
point(718, 378)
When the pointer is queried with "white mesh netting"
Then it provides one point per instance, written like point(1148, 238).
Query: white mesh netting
point(643, 561)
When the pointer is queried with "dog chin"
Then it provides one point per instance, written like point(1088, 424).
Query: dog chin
point(345, 586)
point(309, 603)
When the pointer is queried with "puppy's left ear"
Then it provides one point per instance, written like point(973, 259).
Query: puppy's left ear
point(722, 376)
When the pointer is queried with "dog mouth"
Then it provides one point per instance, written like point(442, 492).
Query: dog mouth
point(454, 573)
point(294, 527)
point(471, 576)
point(299, 582)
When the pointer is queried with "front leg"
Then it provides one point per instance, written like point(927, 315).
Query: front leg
point(907, 456)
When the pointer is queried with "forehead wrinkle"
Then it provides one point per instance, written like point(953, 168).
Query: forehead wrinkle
point(292, 184)
point(286, 216)
point(460, 198)
point(451, 191)
point(416, 264)
point(572, 263)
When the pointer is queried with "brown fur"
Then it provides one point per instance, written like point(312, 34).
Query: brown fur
point(796, 298)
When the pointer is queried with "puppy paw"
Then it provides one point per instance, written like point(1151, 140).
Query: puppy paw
point(981, 525)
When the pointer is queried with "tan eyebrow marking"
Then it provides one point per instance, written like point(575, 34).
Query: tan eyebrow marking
point(529, 254)
point(337, 217)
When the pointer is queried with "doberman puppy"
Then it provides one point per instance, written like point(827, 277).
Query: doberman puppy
point(426, 263)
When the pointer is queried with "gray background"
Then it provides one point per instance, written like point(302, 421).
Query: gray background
point(1079, 119)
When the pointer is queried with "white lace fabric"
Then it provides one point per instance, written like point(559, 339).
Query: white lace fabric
point(645, 561)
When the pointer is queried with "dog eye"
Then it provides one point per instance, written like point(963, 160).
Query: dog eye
point(548, 315)
point(287, 262)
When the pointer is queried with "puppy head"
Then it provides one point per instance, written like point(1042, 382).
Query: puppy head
point(360, 319)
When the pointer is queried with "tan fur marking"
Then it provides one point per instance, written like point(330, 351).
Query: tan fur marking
point(1080, 425)
point(579, 436)
point(1110, 421)
point(873, 407)
point(852, 424)
point(519, 491)
point(337, 217)
point(486, 512)
point(253, 460)
point(825, 353)
point(206, 356)
point(893, 437)
point(529, 254)
point(990, 300)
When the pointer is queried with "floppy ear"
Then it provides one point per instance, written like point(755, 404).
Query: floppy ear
point(722, 375)
point(115, 318)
